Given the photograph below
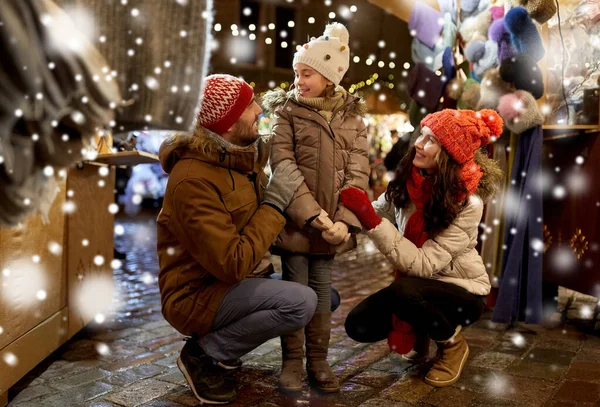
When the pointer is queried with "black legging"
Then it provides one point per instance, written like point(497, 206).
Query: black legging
point(430, 306)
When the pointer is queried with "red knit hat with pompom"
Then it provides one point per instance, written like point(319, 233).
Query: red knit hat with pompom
point(462, 132)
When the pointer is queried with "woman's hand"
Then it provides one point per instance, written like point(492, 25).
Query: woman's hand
point(358, 202)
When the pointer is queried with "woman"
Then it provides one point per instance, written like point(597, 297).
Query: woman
point(426, 224)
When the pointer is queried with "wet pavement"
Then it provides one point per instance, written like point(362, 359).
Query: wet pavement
point(129, 360)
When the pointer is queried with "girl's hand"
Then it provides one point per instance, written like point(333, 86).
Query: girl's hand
point(322, 222)
point(337, 234)
point(358, 202)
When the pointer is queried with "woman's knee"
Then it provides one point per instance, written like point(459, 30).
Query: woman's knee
point(357, 326)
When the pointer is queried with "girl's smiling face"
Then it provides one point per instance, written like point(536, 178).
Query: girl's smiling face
point(308, 82)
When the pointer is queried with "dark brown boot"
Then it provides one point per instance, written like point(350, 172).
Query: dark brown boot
point(317, 344)
point(292, 371)
point(453, 356)
point(420, 351)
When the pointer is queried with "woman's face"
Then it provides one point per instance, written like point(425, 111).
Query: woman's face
point(308, 82)
point(427, 152)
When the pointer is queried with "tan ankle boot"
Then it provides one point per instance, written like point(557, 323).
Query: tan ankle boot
point(420, 351)
point(292, 371)
point(320, 374)
point(453, 356)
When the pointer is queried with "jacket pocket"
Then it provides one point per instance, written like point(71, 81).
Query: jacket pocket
point(240, 197)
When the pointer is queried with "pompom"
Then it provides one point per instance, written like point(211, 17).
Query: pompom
point(520, 111)
point(455, 89)
point(337, 30)
point(492, 120)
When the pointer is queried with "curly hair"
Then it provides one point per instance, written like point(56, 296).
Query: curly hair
point(443, 207)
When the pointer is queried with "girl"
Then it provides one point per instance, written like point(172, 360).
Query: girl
point(319, 126)
point(426, 224)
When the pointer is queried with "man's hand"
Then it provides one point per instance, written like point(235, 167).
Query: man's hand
point(337, 234)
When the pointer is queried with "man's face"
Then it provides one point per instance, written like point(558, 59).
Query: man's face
point(245, 131)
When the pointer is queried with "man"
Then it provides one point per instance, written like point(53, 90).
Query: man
point(213, 232)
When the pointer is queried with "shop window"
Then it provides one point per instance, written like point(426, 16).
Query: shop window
point(284, 37)
point(242, 47)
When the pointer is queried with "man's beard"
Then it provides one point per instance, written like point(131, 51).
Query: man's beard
point(244, 134)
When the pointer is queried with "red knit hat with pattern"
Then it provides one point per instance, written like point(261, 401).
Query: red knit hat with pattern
point(462, 132)
point(223, 101)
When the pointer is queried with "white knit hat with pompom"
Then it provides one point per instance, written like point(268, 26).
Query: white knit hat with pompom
point(329, 54)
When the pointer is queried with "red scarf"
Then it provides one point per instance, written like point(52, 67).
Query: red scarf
point(419, 191)
point(401, 338)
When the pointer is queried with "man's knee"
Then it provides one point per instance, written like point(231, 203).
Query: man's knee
point(302, 303)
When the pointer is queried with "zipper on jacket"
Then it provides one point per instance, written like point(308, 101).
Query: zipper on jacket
point(222, 159)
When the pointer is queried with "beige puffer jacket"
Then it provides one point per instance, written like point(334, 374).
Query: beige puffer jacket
point(331, 155)
point(450, 256)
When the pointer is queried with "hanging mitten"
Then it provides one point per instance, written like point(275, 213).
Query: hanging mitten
point(524, 73)
point(500, 34)
point(448, 68)
point(476, 27)
point(424, 86)
point(488, 60)
point(357, 201)
point(421, 53)
point(520, 111)
point(523, 33)
point(469, 6)
point(450, 31)
point(425, 23)
point(448, 6)
point(482, 5)
point(492, 88)
point(540, 10)
point(401, 338)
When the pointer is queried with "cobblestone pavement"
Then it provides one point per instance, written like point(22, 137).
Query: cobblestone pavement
point(130, 359)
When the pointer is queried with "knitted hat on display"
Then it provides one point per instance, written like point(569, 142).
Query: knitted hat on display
point(462, 132)
point(492, 88)
point(470, 95)
point(329, 54)
point(500, 34)
point(476, 27)
point(223, 101)
point(497, 12)
point(520, 111)
point(488, 60)
point(540, 10)
point(524, 73)
point(523, 33)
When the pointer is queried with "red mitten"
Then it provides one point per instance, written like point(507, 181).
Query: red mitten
point(401, 338)
point(358, 202)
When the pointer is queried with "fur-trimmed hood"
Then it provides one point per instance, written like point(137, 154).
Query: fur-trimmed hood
point(207, 146)
point(490, 183)
point(277, 98)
